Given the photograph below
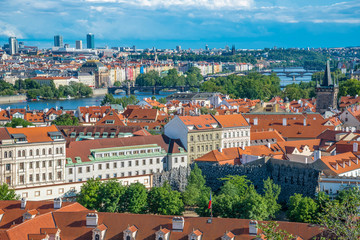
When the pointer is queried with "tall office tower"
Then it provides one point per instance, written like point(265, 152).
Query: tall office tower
point(13, 45)
point(233, 50)
point(58, 41)
point(78, 44)
point(206, 47)
point(90, 41)
point(178, 48)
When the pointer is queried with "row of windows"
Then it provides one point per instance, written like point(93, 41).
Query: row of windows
point(204, 148)
point(204, 137)
point(235, 144)
point(36, 178)
point(236, 134)
point(34, 165)
point(122, 164)
point(125, 153)
point(22, 153)
point(122, 174)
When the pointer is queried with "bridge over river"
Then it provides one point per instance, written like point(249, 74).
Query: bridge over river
point(130, 89)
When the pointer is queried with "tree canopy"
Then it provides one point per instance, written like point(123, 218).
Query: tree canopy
point(18, 122)
point(124, 101)
point(6, 193)
point(66, 120)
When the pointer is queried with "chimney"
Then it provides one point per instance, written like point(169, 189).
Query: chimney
point(284, 122)
point(57, 203)
point(317, 155)
point(255, 121)
point(87, 117)
point(304, 121)
point(268, 145)
point(253, 228)
point(178, 224)
point(1, 214)
point(220, 149)
point(306, 160)
point(355, 147)
point(23, 203)
point(91, 219)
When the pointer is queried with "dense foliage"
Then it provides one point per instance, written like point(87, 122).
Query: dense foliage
point(112, 196)
point(33, 89)
point(66, 120)
point(124, 101)
point(297, 91)
point(191, 78)
point(6, 193)
point(18, 122)
point(253, 86)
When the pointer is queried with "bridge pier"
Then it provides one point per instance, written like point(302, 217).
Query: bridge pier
point(154, 91)
point(128, 90)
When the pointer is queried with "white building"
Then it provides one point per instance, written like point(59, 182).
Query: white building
point(32, 156)
point(122, 157)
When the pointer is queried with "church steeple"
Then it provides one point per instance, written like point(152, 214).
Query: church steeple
point(327, 81)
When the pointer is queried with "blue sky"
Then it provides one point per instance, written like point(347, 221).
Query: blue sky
point(189, 23)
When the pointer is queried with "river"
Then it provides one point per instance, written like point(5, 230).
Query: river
point(74, 103)
point(300, 75)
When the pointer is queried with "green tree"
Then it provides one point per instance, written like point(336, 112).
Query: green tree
point(6, 193)
point(302, 209)
point(164, 201)
point(340, 217)
point(253, 206)
point(195, 187)
point(124, 101)
point(271, 231)
point(271, 195)
point(66, 120)
point(18, 122)
point(240, 184)
point(349, 87)
point(110, 193)
point(135, 199)
point(89, 194)
point(162, 100)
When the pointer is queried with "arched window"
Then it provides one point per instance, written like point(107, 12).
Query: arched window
point(128, 238)
point(23, 153)
point(49, 150)
point(44, 151)
point(192, 138)
point(61, 150)
point(160, 238)
point(57, 150)
point(37, 152)
point(10, 154)
point(19, 153)
point(31, 152)
point(5, 154)
point(97, 237)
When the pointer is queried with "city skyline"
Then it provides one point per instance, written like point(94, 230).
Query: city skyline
point(190, 24)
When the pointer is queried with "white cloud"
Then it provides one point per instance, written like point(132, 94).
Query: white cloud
point(208, 4)
point(8, 30)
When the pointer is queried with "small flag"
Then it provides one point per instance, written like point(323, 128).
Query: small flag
point(210, 203)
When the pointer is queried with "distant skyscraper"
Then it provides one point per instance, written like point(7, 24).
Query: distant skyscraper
point(58, 41)
point(13, 45)
point(66, 45)
point(233, 50)
point(227, 48)
point(178, 48)
point(78, 44)
point(90, 41)
point(206, 47)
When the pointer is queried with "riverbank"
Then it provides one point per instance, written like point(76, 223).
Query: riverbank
point(100, 92)
point(12, 99)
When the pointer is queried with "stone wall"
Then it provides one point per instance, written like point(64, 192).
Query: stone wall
point(11, 99)
point(100, 91)
point(291, 176)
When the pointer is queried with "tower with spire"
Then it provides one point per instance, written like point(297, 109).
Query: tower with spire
point(326, 92)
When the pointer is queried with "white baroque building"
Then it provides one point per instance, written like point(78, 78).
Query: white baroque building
point(32, 156)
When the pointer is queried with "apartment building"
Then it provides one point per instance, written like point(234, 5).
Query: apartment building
point(204, 133)
point(122, 157)
point(32, 156)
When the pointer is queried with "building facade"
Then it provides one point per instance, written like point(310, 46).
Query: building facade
point(58, 41)
point(32, 156)
point(90, 41)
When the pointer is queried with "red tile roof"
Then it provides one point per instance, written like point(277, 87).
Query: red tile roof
point(34, 134)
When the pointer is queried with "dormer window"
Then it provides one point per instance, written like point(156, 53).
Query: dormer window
point(130, 232)
point(56, 135)
point(196, 234)
point(162, 234)
point(19, 138)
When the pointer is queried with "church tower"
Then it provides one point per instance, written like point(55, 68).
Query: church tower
point(326, 92)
